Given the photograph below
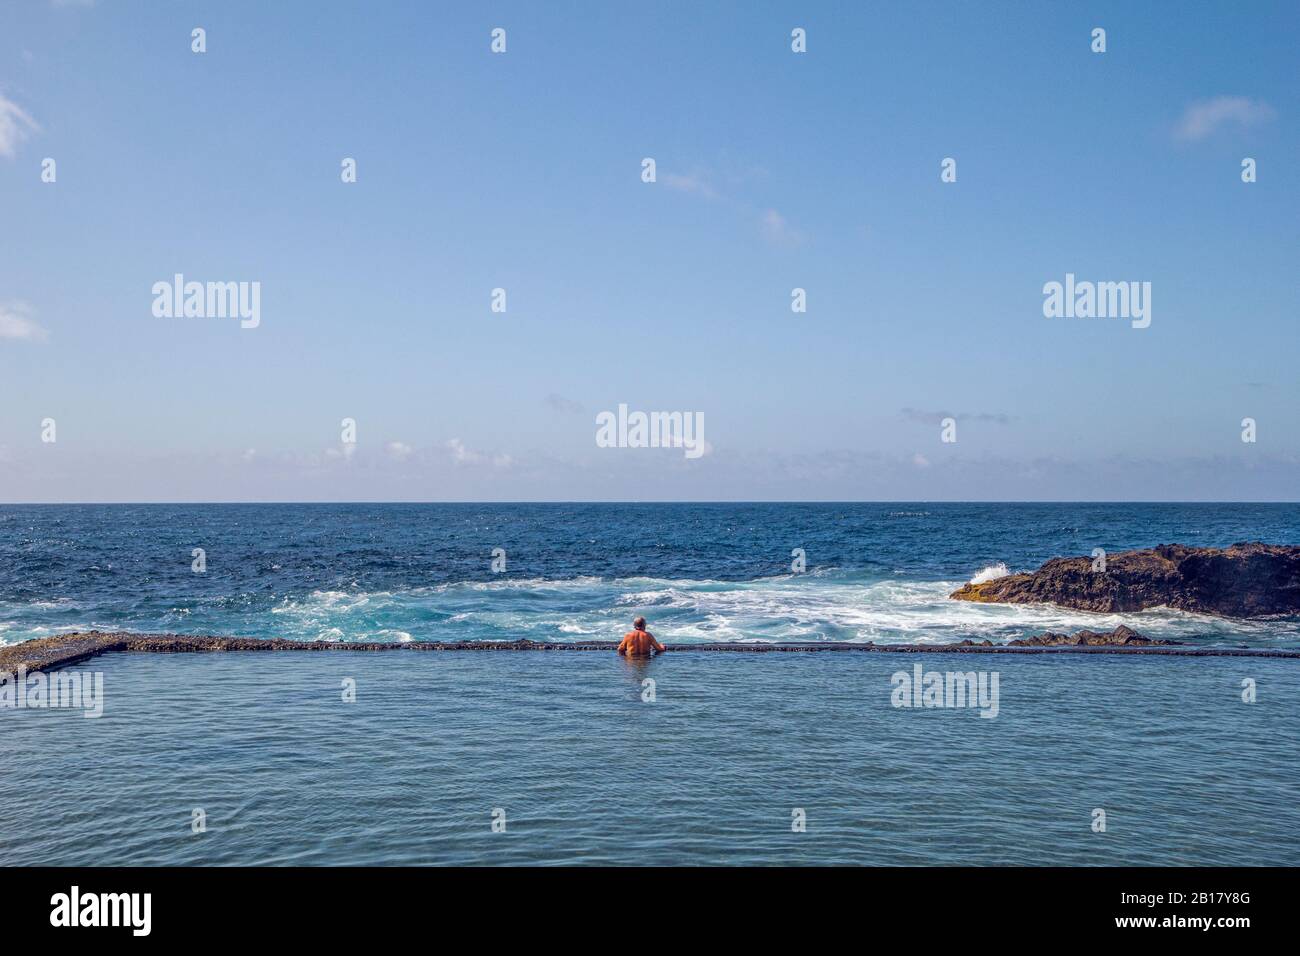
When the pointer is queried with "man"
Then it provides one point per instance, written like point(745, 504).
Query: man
point(639, 642)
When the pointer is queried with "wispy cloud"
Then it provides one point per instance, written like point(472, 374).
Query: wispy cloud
point(559, 403)
point(345, 451)
point(398, 450)
point(778, 232)
point(16, 323)
point(16, 124)
point(1205, 117)
point(934, 418)
point(694, 183)
point(461, 455)
point(772, 226)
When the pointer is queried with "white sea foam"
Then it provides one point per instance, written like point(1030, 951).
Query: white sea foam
point(991, 573)
point(846, 606)
point(518, 584)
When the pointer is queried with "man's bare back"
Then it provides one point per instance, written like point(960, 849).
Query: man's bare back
point(639, 642)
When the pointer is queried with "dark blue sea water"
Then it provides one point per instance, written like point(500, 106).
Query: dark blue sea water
point(565, 745)
point(707, 572)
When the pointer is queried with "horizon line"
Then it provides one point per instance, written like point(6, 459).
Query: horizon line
point(701, 501)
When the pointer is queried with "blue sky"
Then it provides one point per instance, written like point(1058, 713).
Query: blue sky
point(522, 171)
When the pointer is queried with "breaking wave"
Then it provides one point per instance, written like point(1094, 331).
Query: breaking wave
point(990, 573)
point(845, 606)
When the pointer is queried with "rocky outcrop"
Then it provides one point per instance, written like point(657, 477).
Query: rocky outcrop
point(1120, 637)
point(1245, 580)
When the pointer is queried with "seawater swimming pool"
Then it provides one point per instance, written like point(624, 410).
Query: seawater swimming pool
point(711, 772)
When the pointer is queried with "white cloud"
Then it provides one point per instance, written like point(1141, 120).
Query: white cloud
point(777, 230)
point(16, 323)
point(693, 183)
point(461, 455)
point(772, 225)
point(398, 451)
point(345, 451)
point(936, 418)
point(15, 126)
point(920, 461)
point(1205, 117)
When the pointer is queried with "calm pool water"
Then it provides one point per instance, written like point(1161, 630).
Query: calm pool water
point(710, 772)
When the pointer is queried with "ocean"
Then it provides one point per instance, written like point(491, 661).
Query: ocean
point(551, 759)
point(698, 572)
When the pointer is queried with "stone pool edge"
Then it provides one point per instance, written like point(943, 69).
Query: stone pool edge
point(63, 650)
